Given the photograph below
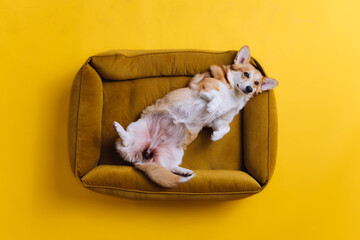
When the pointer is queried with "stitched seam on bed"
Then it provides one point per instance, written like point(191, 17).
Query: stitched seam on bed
point(77, 120)
point(144, 77)
point(170, 193)
point(138, 78)
point(146, 54)
point(131, 79)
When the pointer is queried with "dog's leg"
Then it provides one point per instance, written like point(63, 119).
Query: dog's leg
point(121, 131)
point(182, 171)
point(171, 159)
point(209, 95)
point(220, 133)
point(221, 126)
point(214, 99)
point(213, 104)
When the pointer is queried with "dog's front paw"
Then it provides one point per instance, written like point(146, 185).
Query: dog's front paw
point(212, 106)
point(216, 135)
point(208, 95)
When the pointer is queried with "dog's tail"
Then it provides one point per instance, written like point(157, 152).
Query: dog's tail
point(161, 175)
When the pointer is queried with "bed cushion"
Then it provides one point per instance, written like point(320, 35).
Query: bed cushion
point(118, 85)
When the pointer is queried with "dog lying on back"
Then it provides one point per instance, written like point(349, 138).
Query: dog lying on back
point(156, 142)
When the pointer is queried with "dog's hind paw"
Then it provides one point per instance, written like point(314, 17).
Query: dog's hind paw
point(187, 174)
point(116, 125)
point(185, 179)
point(182, 172)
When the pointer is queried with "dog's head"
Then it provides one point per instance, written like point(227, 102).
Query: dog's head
point(246, 79)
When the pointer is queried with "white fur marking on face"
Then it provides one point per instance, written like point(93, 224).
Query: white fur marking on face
point(238, 82)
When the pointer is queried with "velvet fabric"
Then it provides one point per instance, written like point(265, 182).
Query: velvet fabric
point(118, 85)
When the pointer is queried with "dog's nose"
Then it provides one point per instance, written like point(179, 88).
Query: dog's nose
point(248, 89)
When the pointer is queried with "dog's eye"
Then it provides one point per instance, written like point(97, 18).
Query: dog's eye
point(256, 83)
point(246, 74)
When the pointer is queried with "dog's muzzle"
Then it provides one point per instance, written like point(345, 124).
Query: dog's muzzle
point(247, 90)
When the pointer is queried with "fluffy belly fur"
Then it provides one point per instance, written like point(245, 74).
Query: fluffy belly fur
point(165, 129)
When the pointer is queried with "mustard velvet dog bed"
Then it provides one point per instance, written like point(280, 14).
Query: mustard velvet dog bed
point(118, 85)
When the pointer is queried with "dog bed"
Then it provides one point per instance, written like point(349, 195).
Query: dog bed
point(118, 85)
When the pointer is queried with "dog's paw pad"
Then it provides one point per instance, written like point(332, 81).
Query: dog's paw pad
point(187, 174)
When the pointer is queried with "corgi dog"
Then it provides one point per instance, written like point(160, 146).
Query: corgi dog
point(228, 88)
point(156, 142)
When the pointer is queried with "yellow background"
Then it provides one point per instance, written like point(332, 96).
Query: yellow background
point(312, 48)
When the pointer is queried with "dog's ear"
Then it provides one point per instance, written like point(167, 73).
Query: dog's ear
point(243, 56)
point(217, 72)
point(268, 83)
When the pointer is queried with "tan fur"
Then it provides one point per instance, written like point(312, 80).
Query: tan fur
point(194, 82)
point(190, 136)
point(208, 84)
point(219, 73)
point(159, 174)
point(210, 80)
